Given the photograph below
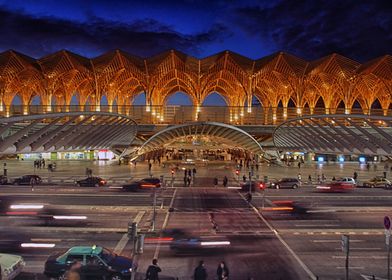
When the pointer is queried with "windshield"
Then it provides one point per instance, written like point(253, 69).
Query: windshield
point(107, 255)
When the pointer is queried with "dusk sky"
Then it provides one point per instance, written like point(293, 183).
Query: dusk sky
point(361, 30)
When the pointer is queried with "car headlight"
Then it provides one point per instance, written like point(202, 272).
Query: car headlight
point(272, 184)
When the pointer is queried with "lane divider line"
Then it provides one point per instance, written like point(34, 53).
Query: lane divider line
point(165, 222)
point(124, 239)
point(296, 257)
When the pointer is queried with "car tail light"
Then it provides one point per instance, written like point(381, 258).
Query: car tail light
point(261, 186)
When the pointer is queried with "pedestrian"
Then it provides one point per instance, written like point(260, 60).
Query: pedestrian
point(74, 272)
point(215, 182)
point(225, 181)
point(323, 178)
point(310, 179)
point(299, 177)
point(149, 166)
point(153, 270)
point(355, 175)
point(333, 178)
point(194, 172)
point(299, 165)
point(185, 181)
point(200, 272)
point(222, 271)
point(189, 172)
point(185, 172)
point(244, 178)
point(189, 181)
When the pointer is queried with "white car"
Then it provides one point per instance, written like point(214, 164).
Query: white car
point(11, 266)
point(347, 180)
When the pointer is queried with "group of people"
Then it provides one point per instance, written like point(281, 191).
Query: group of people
point(189, 175)
point(200, 272)
point(39, 163)
point(225, 181)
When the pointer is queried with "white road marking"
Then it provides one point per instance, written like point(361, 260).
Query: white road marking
point(156, 254)
point(296, 257)
point(124, 239)
point(314, 225)
point(361, 257)
point(351, 267)
point(362, 249)
point(370, 277)
point(333, 240)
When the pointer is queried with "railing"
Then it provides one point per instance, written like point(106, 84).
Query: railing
point(176, 114)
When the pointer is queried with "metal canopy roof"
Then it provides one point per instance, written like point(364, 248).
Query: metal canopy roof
point(233, 136)
point(66, 131)
point(336, 134)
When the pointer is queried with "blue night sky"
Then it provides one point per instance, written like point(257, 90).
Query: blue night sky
point(361, 30)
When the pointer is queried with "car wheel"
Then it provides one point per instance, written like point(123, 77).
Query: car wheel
point(295, 186)
point(277, 187)
point(62, 277)
point(96, 185)
point(116, 277)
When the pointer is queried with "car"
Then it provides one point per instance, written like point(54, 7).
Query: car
point(131, 187)
point(244, 186)
point(97, 263)
point(91, 182)
point(286, 183)
point(3, 180)
point(378, 182)
point(150, 183)
point(28, 180)
point(347, 180)
point(335, 187)
point(198, 243)
point(146, 183)
point(11, 266)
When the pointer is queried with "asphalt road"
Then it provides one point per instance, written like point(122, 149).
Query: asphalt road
point(265, 243)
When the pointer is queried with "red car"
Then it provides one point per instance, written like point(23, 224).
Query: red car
point(335, 187)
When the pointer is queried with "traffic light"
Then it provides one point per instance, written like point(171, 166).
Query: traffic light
point(132, 230)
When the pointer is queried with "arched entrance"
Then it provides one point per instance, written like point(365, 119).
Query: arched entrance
point(199, 140)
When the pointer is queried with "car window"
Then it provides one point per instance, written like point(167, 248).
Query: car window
point(74, 258)
point(93, 260)
point(107, 255)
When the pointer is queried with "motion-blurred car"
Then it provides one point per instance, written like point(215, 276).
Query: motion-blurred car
point(146, 183)
point(198, 243)
point(347, 180)
point(28, 180)
point(336, 187)
point(292, 183)
point(91, 182)
point(10, 266)
point(255, 185)
point(97, 263)
point(378, 182)
point(3, 180)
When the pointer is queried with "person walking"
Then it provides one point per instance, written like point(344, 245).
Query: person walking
point(153, 270)
point(194, 172)
point(222, 271)
point(244, 178)
point(200, 272)
point(225, 181)
point(215, 182)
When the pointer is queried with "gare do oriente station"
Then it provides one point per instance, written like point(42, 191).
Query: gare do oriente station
point(259, 94)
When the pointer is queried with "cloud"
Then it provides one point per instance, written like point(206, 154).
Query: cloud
point(361, 30)
point(40, 36)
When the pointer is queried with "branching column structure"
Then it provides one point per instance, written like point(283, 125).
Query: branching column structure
point(285, 85)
